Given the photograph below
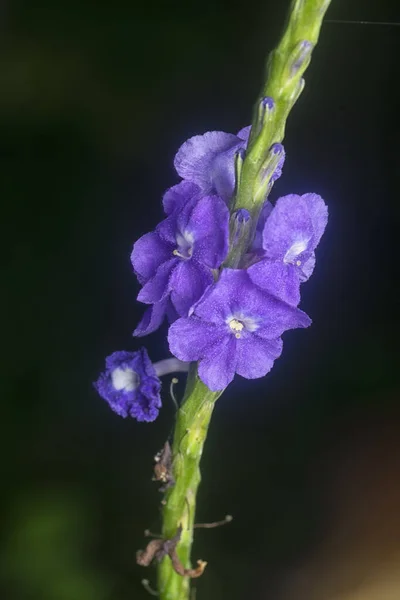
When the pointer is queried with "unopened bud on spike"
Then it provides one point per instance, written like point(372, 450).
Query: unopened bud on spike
point(270, 171)
point(239, 158)
point(300, 57)
point(268, 103)
point(265, 109)
point(239, 229)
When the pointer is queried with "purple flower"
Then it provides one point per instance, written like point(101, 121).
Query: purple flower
point(130, 385)
point(290, 235)
point(258, 236)
point(208, 160)
point(234, 328)
point(175, 262)
point(154, 316)
point(177, 196)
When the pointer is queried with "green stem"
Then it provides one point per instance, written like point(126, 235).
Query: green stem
point(284, 84)
point(190, 433)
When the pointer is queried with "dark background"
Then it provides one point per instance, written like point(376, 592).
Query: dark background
point(95, 100)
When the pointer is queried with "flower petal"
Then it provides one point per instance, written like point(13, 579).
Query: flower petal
point(147, 403)
point(188, 282)
point(152, 318)
point(194, 158)
point(158, 286)
point(307, 268)
point(262, 219)
point(209, 224)
point(223, 172)
point(167, 229)
point(189, 338)
point(294, 228)
point(178, 195)
point(318, 214)
point(147, 254)
point(244, 133)
point(255, 356)
point(217, 368)
point(281, 318)
point(279, 279)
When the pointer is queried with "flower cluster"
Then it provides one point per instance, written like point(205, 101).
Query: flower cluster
point(228, 319)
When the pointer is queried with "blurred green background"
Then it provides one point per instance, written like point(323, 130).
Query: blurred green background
point(95, 100)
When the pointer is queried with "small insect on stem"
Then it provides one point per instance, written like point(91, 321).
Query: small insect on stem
point(163, 467)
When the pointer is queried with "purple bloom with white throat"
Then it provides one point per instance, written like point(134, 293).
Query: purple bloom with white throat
point(175, 263)
point(130, 385)
point(234, 328)
point(292, 231)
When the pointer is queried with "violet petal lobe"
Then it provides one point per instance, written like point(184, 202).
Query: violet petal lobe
point(277, 278)
point(195, 157)
point(188, 282)
point(294, 228)
point(158, 287)
point(223, 172)
point(189, 338)
point(262, 219)
point(147, 254)
point(244, 133)
point(177, 196)
point(152, 318)
point(256, 356)
point(209, 224)
point(318, 214)
point(307, 268)
point(218, 366)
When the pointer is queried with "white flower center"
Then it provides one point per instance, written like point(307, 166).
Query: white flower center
point(236, 325)
point(239, 322)
point(184, 247)
point(125, 379)
point(295, 249)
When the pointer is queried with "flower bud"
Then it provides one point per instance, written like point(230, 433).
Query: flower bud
point(300, 57)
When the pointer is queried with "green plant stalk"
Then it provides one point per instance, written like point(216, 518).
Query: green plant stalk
point(284, 84)
point(193, 419)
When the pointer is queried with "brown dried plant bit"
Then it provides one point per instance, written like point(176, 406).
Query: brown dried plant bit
point(145, 557)
point(225, 521)
point(179, 568)
point(157, 549)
